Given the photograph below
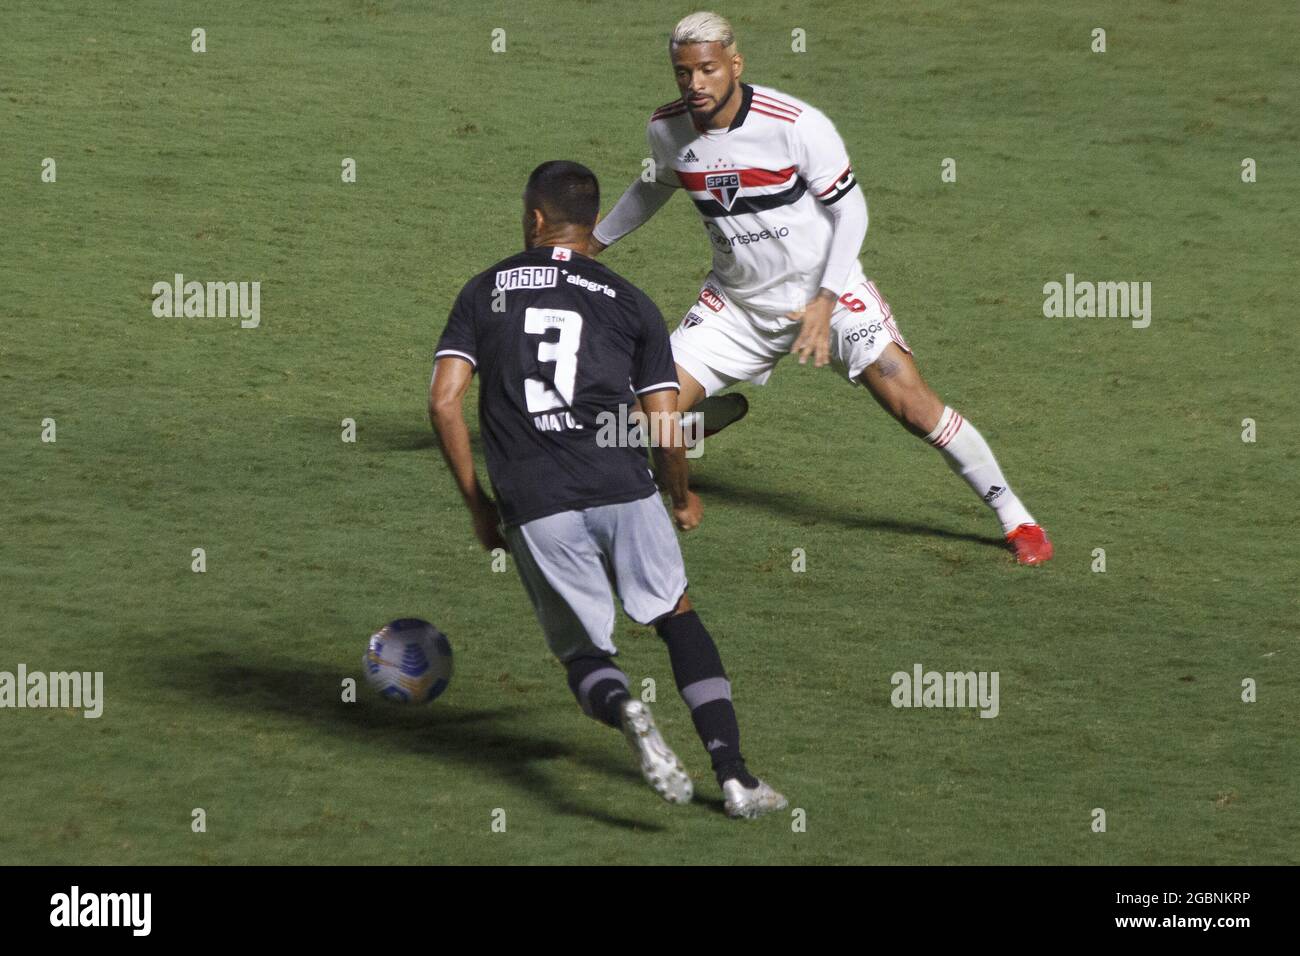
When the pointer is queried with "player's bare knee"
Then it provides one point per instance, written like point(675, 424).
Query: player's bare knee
point(909, 399)
point(892, 400)
point(897, 408)
point(684, 606)
point(923, 410)
point(912, 404)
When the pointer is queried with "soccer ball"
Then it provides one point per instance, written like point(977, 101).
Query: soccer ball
point(409, 661)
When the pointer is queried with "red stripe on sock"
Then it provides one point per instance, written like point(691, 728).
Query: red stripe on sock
point(953, 429)
point(949, 431)
point(948, 428)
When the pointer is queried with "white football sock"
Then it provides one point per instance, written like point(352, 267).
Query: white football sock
point(969, 455)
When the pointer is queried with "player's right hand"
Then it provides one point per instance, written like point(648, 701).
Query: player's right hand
point(814, 339)
point(487, 527)
point(689, 516)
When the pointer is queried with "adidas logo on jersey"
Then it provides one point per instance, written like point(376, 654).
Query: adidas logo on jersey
point(690, 157)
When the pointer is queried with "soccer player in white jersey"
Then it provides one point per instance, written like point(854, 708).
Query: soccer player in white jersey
point(771, 178)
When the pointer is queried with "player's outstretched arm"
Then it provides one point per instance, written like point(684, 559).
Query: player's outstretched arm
point(669, 446)
point(849, 229)
point(451, 378)
point(639, 202)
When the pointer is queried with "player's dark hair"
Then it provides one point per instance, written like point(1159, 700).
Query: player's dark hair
point(566, 192)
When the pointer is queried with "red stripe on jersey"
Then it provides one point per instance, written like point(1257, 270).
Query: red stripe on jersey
point(831, 187)
point(778, 104)
point(884, 306)
point(748, 177)
point(894, 334)
point(781, 116)
point(667, 106)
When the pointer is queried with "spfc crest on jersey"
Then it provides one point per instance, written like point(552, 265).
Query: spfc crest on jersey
point(723, 187)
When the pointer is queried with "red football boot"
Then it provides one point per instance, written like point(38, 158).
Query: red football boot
point(1031, 544)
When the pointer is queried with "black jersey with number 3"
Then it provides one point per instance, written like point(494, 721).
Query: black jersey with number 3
point(559, 342)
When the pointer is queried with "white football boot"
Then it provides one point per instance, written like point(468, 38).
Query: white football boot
point(659, 765)
point(750, 803)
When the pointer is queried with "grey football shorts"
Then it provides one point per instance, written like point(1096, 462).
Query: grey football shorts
point(570, 561)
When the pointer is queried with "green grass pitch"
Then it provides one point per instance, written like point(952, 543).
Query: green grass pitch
point(1119, 690)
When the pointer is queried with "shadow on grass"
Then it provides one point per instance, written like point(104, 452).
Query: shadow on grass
point(404, 439)
point(473, 740)
point(400, 435)
point(385, 432)
point(794, 506)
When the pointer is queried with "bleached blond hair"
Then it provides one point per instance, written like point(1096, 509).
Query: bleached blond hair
point(703, 27)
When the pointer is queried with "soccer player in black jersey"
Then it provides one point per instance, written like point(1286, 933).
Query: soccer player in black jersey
point(564, 349)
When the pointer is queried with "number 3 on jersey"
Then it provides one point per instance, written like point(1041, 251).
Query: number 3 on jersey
point(539, 394)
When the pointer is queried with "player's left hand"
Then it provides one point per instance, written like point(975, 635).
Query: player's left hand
point(815, 337)
point(690, 514)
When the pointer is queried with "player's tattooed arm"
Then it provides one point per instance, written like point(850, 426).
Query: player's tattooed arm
point(451, 377)
point(669, 447)
point(814, 339)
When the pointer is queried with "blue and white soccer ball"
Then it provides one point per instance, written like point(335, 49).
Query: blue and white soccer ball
point(409, 661)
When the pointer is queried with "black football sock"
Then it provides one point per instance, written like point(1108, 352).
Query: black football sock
point(599, 686)
point(703, 684)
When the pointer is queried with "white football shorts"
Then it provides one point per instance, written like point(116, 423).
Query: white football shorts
point(569, 562)
point(721, 342)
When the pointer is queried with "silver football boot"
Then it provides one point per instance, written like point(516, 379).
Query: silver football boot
point(750, 803)
point(659, 765)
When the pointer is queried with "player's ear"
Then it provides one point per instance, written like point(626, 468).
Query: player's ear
point(533, 221)
point(737, 66)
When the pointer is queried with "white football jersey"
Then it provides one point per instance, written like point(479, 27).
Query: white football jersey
point(761, 186)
